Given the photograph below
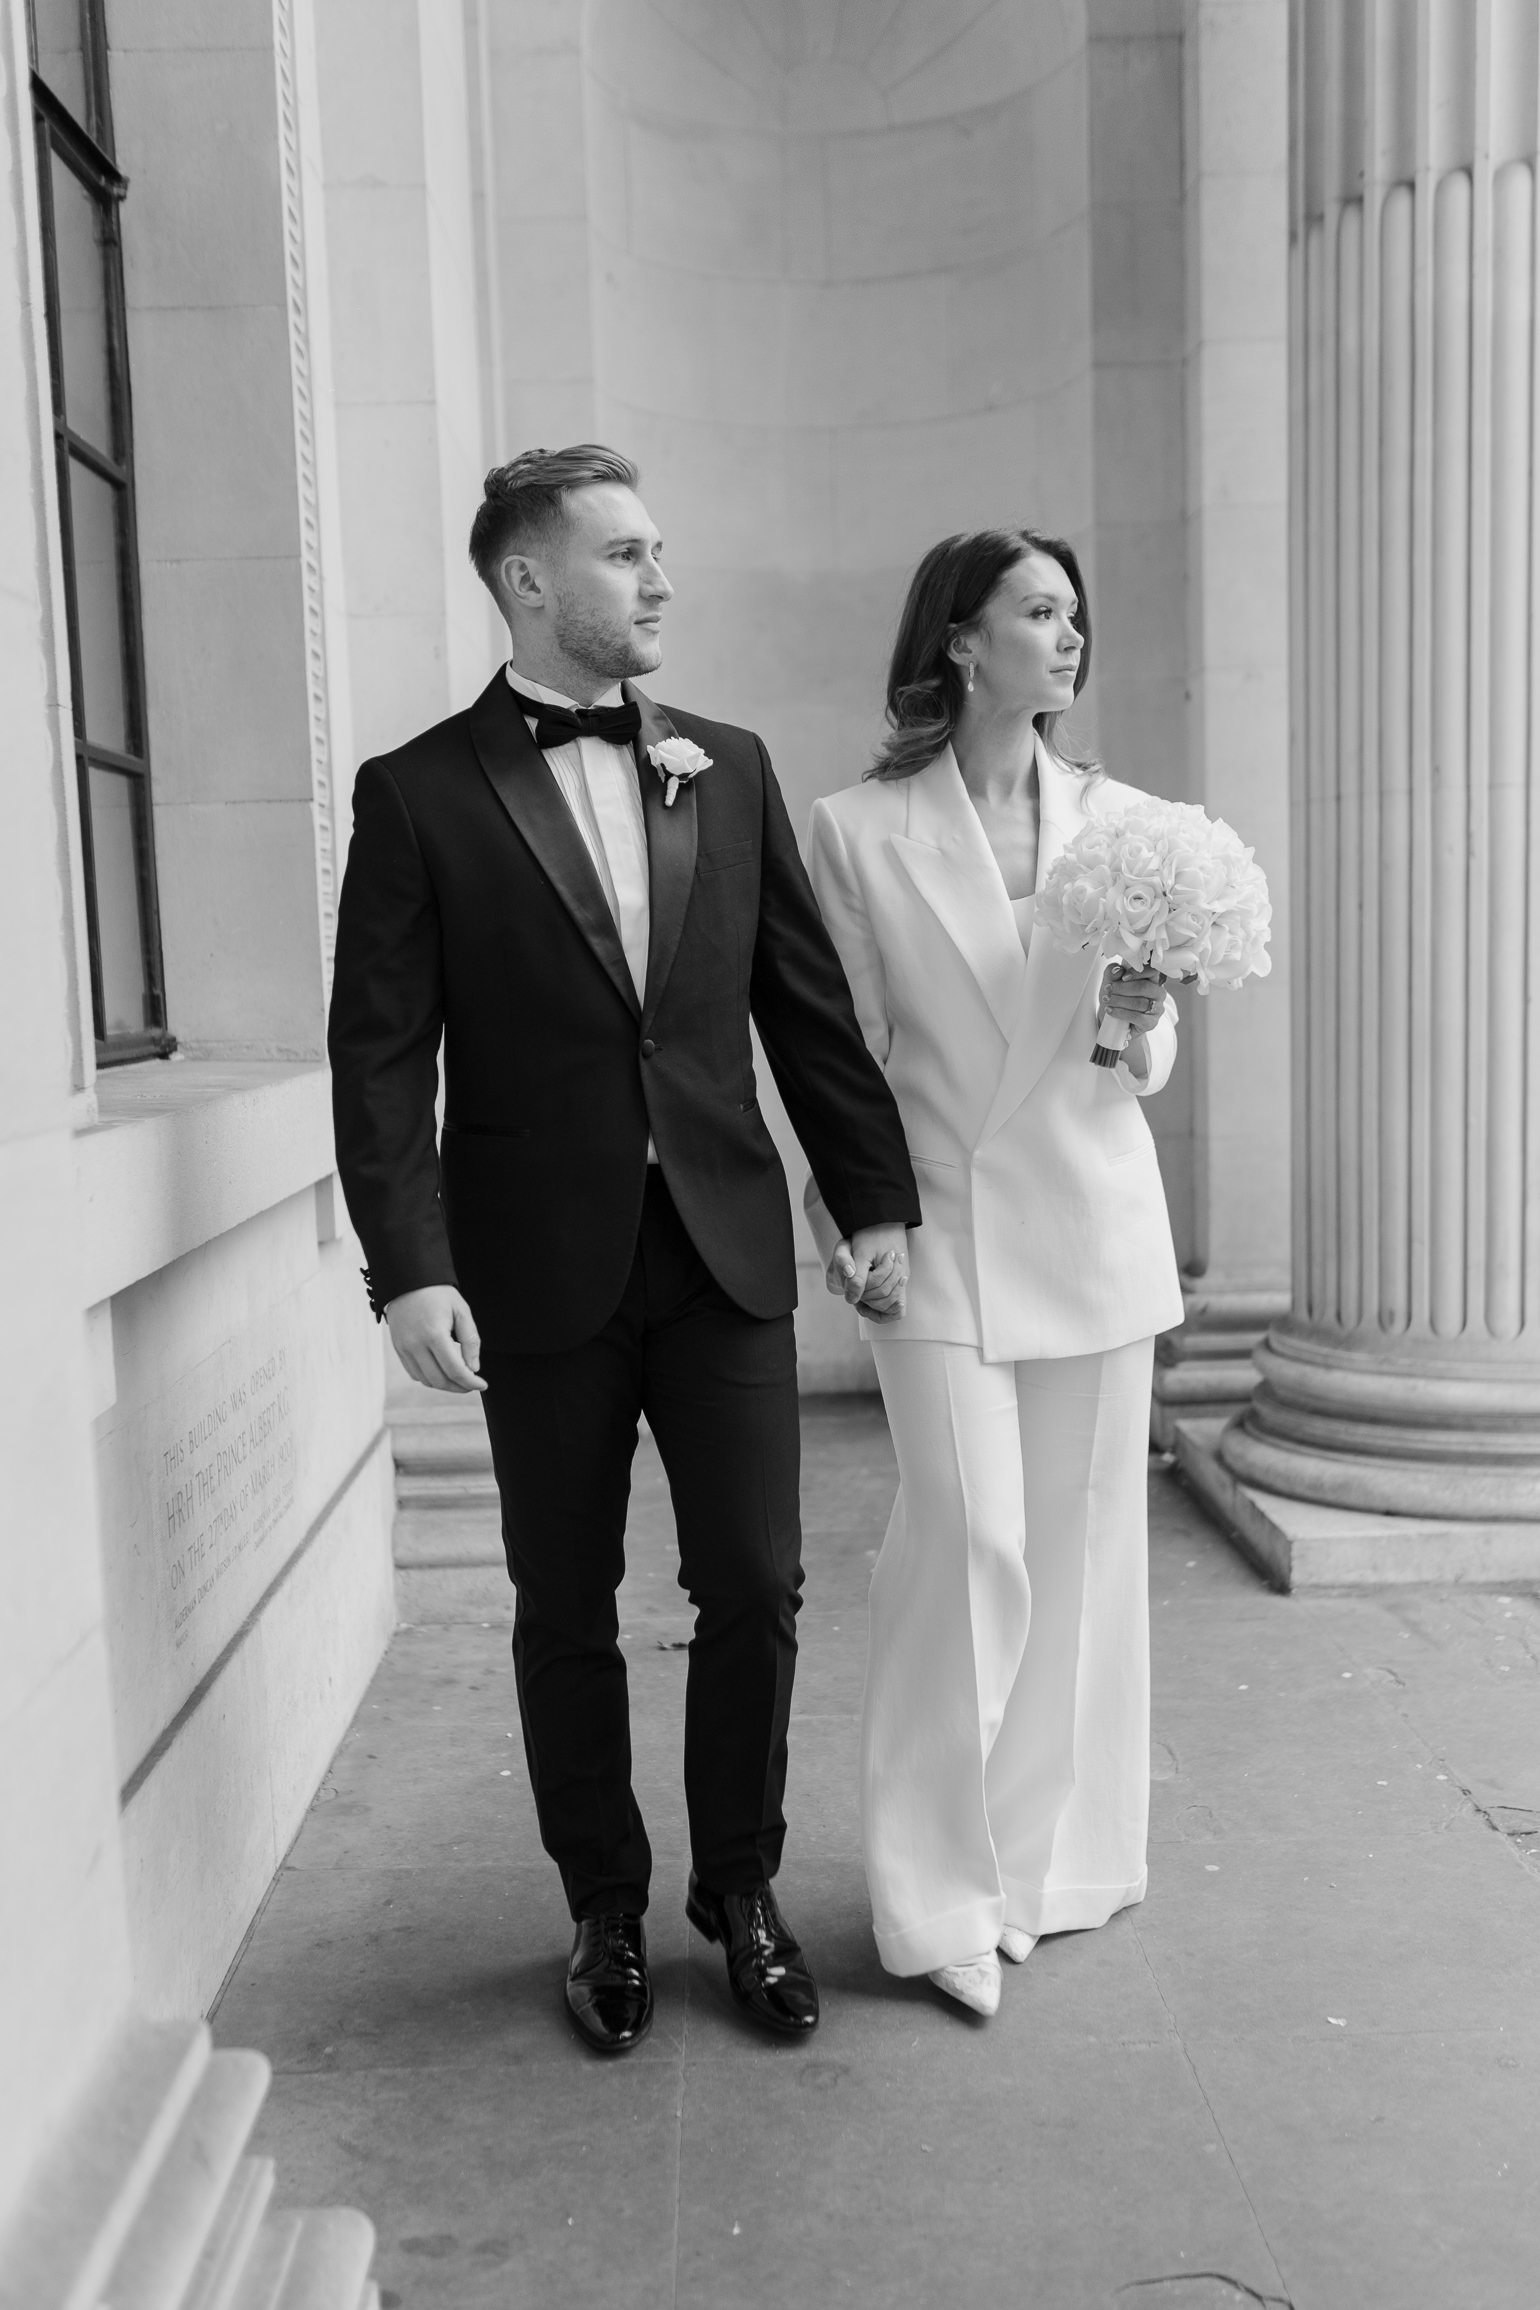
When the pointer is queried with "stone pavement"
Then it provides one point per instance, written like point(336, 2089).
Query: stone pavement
point(1305, 2072)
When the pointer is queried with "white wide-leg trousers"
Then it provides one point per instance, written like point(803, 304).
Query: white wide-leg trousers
point(1005, 1735)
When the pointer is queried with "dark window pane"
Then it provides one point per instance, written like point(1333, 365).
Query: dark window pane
point(60, 60)
point(115, 801)
point(77, 224)
point(97, 511)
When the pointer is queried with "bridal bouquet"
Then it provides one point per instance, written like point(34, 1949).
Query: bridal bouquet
point(1160, 886)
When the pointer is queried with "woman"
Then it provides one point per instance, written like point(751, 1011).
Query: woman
point(1005, 1736)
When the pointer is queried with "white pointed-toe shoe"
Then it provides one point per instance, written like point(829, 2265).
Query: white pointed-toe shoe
point(975, 1983)
point(1016, 1944)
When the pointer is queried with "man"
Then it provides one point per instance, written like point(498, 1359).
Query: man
point(586, 898)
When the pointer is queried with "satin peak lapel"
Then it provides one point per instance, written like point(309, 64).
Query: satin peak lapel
point(521, 779)
point(1056, 976)
point(671, 838)
point(946, 855)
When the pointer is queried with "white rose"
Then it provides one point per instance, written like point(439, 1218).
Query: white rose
point(677, 761)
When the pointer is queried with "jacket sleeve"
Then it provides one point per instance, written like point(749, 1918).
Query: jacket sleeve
point(387, 1016)
point(846, 920)
point(1162, 1042)
point(840, 1107)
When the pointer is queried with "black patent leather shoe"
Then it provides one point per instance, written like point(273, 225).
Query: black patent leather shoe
point(766, 1970)
point(609, 1989)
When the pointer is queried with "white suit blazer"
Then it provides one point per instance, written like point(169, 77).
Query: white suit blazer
point(1045, 1226)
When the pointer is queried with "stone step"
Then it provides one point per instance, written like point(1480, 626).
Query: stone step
point(233, 2237)
point(149, 2204)
point(426, 1538)
point(182, 2206)
point(448, 1488)
point(1189, 1346)
point(83, 2204)
point(438, 1447)
point(448, 1531)
point(443, 1596)
point(328, 2266)
point(272, 2253)
point(443, 1457)
point(1227, 1382)
point(442, 1446)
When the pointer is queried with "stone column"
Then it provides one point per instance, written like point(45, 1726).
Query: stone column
point(1406, 1378)
point(1235, 163)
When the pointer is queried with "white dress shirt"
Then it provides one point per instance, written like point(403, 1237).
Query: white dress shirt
point(599, 786)
point(597, 780)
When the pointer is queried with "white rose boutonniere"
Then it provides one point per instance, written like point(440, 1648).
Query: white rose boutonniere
point(677, 761)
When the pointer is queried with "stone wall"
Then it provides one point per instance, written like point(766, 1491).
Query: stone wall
point(861, 279)
point(64, 1951)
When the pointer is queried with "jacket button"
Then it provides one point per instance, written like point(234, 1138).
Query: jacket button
point(648, 1047)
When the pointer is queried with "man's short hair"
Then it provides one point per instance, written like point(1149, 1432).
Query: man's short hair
point(525, 499)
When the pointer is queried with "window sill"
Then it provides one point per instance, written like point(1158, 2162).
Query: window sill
point(185, 1151)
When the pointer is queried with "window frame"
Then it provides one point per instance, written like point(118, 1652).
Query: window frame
point(85, 150)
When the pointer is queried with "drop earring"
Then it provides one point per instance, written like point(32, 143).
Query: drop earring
point(970, 678)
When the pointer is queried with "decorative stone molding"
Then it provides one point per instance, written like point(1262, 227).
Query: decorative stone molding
point(1414, 1433)
point(292, 189)
point(1406, 1380)
point(150, 2203)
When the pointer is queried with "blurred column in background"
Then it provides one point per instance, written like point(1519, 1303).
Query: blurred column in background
point(1235, 1275)
point(414, 284)
point(1400, 1410)
point(861, 277)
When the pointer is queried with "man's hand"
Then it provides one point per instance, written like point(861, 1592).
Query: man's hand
point(435, 1335)
point(871, 1271)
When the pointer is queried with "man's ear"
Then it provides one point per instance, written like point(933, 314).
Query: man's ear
point(521, 581)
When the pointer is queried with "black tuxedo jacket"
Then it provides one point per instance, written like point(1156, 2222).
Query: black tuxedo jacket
point(471, 912)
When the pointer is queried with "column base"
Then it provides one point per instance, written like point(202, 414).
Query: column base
point(1204, 1368)
point(1404, 1427)
point(1310, 1544)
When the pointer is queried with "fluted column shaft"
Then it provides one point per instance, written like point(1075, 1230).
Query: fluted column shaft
point(1407, 1376)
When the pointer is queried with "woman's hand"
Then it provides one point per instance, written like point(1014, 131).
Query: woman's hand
point(1138, 998)
point(872, 1274)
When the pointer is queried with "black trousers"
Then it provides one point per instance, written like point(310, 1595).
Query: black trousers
point(719, 1390)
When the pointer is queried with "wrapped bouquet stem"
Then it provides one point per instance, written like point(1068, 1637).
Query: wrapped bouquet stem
point(1113, 1035)
point(1159, 886)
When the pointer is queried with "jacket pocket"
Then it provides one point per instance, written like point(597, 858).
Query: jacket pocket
point(725, 855)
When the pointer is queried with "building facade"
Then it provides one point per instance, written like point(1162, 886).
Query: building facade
point(284, 277)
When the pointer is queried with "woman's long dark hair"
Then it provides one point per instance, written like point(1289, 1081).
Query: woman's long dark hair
point(950, 590)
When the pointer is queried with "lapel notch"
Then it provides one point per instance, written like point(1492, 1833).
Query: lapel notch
point(946, 855)
point(521, 779)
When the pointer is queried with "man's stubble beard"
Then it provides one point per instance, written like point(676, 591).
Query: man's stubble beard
point(608, 651)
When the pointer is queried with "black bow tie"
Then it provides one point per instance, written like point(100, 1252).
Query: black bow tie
point(559, 725)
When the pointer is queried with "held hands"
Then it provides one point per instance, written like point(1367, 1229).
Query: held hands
point(1138, 998)
point(871, 1271)
point(435, 1335)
